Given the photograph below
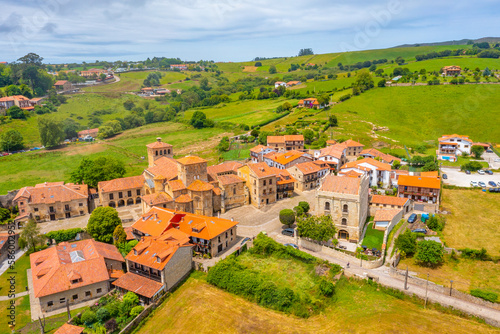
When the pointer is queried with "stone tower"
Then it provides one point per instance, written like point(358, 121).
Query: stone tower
point(191, 168)
point(157, 150)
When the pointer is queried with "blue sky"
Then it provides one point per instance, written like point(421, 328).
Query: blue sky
point(231, 30)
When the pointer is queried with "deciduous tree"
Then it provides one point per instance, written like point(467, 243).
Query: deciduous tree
point(287, 217)
point(93, 171)
point(11, 140)
point(51, 132)
point(429, 253)
point(102, 223)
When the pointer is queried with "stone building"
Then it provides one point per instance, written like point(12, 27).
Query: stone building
point(286, 143)
point(209, 235)
point(121, 192)
point(157, 150)
point(307, 175)
point(345, 199)
point(353, 148)
point(261, 182)
point(74, 272)
point(157, 264)
point(52, 201)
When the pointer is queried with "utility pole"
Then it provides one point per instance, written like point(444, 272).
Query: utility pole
point(426, 286)
point(67, 309)
point(451, 286)
point(406, 278)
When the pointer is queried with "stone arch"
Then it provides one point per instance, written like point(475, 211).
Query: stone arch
point(130, 201)
point(343, 234)
point(121, 203)
point(112, 204)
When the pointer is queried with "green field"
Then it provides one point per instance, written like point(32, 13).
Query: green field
point(358, 308)
point(373, 237)
point(21, 266)
point(437, 63)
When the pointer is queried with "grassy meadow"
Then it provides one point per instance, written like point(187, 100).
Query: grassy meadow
point(358, 308)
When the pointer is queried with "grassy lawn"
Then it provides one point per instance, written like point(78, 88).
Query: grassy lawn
point(466, 274)
point(473, 221)
point(21, 266)
point(52, 324)
point(373, 237)
point(359, 308)
point(22, 313)
point(461, 161)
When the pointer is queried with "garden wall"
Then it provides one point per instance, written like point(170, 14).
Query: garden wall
point(399, 274)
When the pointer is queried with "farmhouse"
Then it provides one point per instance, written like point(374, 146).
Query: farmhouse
point(374, 154)
point(52, 201)
point(16, 100)
point(419, 188)
point(451, 70)
point(180, 67)
point(378, 202)
point(74, 272)
point(209, 235)
point(157, 264)
point(378, 172)
point(307, 175)
point(345, 199)
point(333, 155)
point(292, 83)
point(261, 183)
point(121, 192)
point(93, 73)
point(63, 85)
point(279, 83)
point(310, 103)
point(451, 146)
point(353, 148)
point(286, 143)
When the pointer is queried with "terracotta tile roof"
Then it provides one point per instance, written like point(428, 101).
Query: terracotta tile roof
point(367, 161)
point(430, 174)
point(49, 193)
point(199, 185)
point(138, 284)
point(448, 137)
point(340, 185)
point(336, 151)
point(259, 148)
point(331, 142)
point(157, 198)
point(115, 273)
point(323, 164)
point(69, 329)
point(294, 138)
point(190, 160)
point(261, 169)
point(176, 185)
point(164, 166)
point(275, 139)
point(183, 199)
point(293, 82)
point(452, 67)
point(283, 176)
point(124, 183)
point(14, 98)
point(230, 179)
point(385, 215)
point(128, 231)
point(159, 144)
point(155, 252)
point(448, 143)
point(376, 153)
point(350, 173)
point(217, 191)
point(157, 220)
point(352, 143)
point(60, 82)
point(53, 267)
point(419, 181)
point(285, 157)
point(389, 200)
point(88, 132)
point(225, 167)
point(308, 167)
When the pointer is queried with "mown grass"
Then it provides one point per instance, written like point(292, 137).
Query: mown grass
point(473, 220)
point(437, 63)
point(461, 161)
point(373, 237)
point(358, 308)
point(19, 272)
point(22, 313)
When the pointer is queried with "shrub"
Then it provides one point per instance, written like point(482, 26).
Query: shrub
point(299, 211)
point(131, 298)
point(125, 307)
point(287, 217)
point(489, 296)
point(88, 317)
point(335, 269)
point(407, 242)
point(472, 166)
point(136, 311)
point(436, 223)
point(113, 308)
point(111, 325)
point(327, 288)
point(305, 206)
point(429, 253)
point(475, 254)
point(102, 314)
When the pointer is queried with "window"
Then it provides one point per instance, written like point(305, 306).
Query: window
point(219, 238)
point(99, 290)
point(120, 195)
point(75, 281)
point(21, 203)
point(271, 181)
point(129, 193)
point(35, 209)
point(234, 191)
point(81, 212)
point(345, 208)
point(111, 196)
point(327, 205)
point(87, 293)
point(165, 152)
point(226, 235)
point(264, 182)
point(75, 297)
point(344, 221)
point(156, 152)
point(80, 204)
point(50, 303)
point(231, 232)
point(62, 300)
point(138, 192)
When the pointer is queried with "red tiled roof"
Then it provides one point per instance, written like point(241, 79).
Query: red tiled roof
point(69, 329)
point(53, 267)
point(339, 184)
point(128, 232)
point(377, 164)
point(60, 82)
point(376, 153)
point(14, 98)
point(228, 166)
point(419, 181)
point(138, 284)
point(385, 215)
point(261, 169)
point(350, 173)
point(124, 183)
point(176, 185)
point(190, 160)
point(294, 138)
point(183, 199)
point(159, 144)
point(164, 166)
point(308, 167)
point(448, 137)
point(283, 176)
point(157, 198)
point(275, 139)
point(199, 185)
point(335, 151)
point(352, 143)
point(229, 179)
point(48, 193)
point(389, 200)
point(157, 220)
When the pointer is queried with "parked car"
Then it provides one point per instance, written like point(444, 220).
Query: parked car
point(467, 172)
point(497, 160)
point(494, 190)
point(482, 184)
point(420, 230)
point(489, 172)
point(489, 151)
point(288, 231)
point(480, 172)
point(498, 183)
point(412, 218)
point(492, 184)
point(445, 176)
point(244, 240)
point(473, 183)
point(292, 245)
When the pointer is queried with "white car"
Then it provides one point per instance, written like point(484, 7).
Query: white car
point(480, 172)
point(473, 183)
point(497, 160)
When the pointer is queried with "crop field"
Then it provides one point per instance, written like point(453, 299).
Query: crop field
point(359, 308)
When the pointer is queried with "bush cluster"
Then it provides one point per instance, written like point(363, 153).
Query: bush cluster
point(64, 235)
point(489, 296)
point(475, 254)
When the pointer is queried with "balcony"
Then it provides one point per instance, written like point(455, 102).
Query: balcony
point(52, 210)
point(146, 273)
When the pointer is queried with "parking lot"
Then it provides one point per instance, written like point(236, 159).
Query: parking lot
point(460, 179)
point(490, 159)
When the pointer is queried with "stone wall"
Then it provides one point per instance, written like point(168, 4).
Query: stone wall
point(6, 200)
point(399, 274)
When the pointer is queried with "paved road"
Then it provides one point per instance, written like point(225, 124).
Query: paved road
point(459, 178)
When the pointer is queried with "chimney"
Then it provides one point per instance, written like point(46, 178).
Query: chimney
point(158, 139)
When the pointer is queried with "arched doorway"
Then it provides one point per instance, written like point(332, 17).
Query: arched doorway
point(137, 200)
point(130, 201)
point(121, 203)
point(112, 204)
point(343, 234)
